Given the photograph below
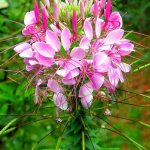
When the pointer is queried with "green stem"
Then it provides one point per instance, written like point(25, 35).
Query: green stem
point(83, 141)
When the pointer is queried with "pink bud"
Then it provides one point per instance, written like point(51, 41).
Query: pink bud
point(47, 3)
point(67, 15)
point(102, 4)
point(108, 9)
point(86, 2)
point(44, 19)
point(96, 12)
point(82, 10)
point(74, 21)
point(36, 11)
point(43, 7)
point(56, 11)
point(70, 1)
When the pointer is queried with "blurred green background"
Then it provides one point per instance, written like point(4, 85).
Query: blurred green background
point(17, 99)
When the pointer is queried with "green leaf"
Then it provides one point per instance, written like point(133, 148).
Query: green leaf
point(144, 124)
point(58, 143)
point(142, 67)
point(7, 126)
point(8, 131)
point(139, 146)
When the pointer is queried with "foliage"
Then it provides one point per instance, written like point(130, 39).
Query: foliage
point(31, 123)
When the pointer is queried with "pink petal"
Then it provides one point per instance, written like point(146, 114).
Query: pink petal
point(44, 49)
point(60, 101)
point(101, 62)
point(87, 101)
point(97, 81)
point(111, 88)
point(48, 62)
point(114, 36)
point(61, 72)
point(98, 27)
point(55, 29)
point(120, 74)
point(65, 38)
point(116, 20)
point(33, 62)
point(37, 90)
point(30, 18)
point(52, 40)
point(69, 81)
point(88, 29)
point(85, 90)
point(77, 53)
point(125, 67)
point(84, 43)
point(113, 76)
point(25, 31)
point(29, 68)
point(54, 86)
point(125, 48)
point(22, 47)
point(72, 74)
point(72, 64)
point(69, 66)
point(27, 53)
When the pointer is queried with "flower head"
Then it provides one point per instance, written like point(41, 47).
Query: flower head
point(75, 57)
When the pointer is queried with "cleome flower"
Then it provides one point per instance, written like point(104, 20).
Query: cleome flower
point(82, 56)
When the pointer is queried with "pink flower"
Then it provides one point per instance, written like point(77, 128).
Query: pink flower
point(54, 86)
point(60, 101)
point(114, 21)
point(44, 53)
point(86, 58)
point(85, 93)
point(24, 50)
point(69, 65)
point(101, 62)
point(37, 91)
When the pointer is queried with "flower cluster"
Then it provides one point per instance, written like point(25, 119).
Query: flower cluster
point(76, 49)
